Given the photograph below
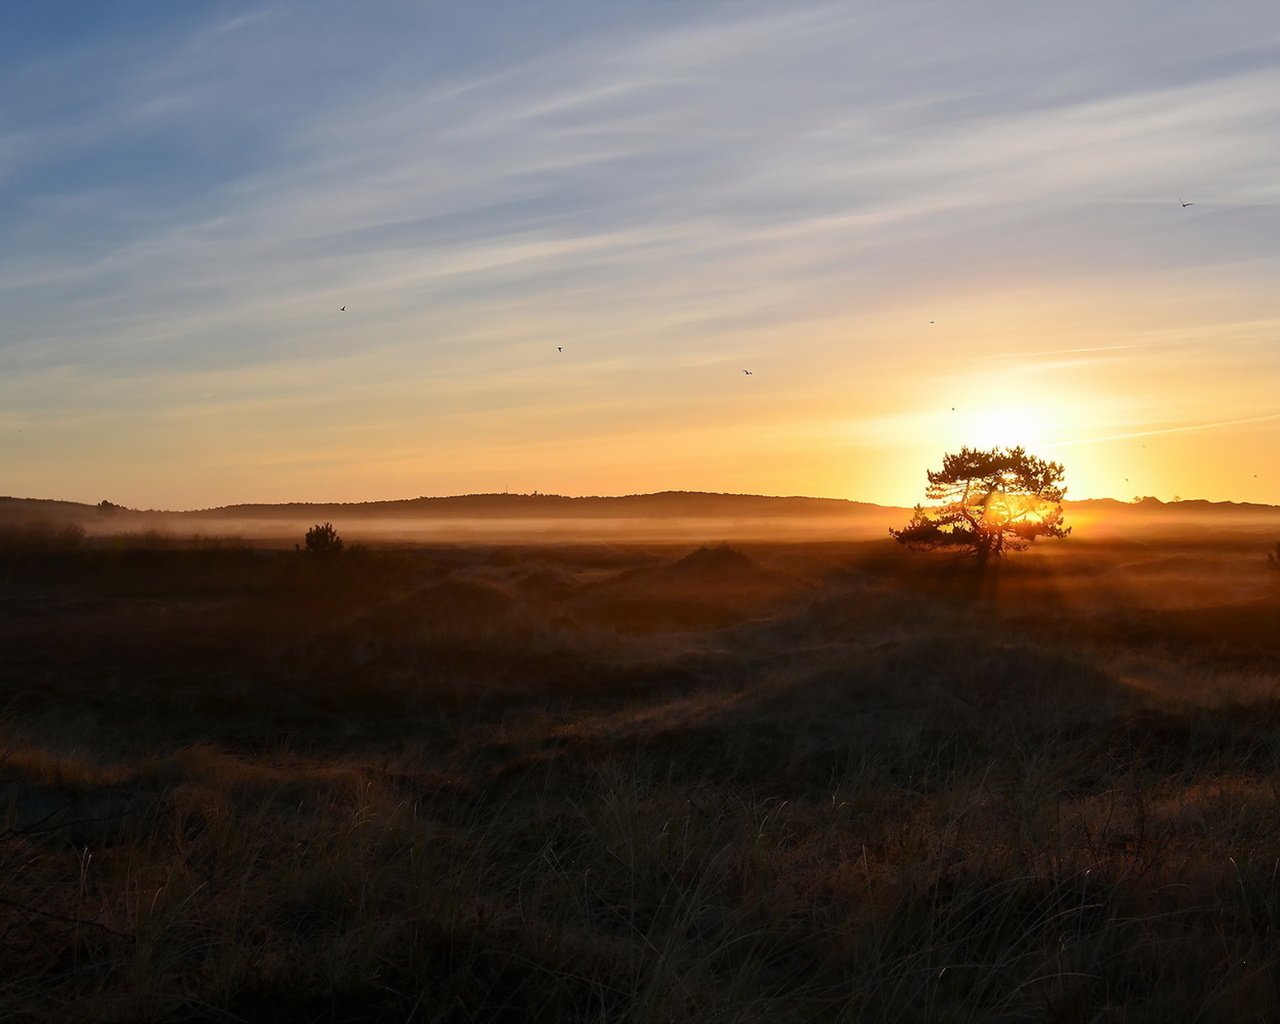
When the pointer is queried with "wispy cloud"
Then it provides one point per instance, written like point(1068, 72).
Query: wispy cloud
point(1183, 428)
point(666, 189)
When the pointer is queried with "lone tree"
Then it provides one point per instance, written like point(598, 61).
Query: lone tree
point(989, 502)
point(323, 539)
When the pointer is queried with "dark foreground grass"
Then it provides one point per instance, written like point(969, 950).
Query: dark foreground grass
point(462, 785)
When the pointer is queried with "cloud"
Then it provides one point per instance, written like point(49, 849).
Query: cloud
point(674, 187)
point(1182, 428)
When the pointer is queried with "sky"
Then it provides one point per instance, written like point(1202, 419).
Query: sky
point(918, 225)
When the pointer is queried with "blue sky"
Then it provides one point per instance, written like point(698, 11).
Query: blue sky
point(885, 210)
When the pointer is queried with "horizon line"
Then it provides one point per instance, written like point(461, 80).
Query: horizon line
point(592, 497)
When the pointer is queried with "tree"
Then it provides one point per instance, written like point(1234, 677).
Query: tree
point(989, 502)
point(323, 539)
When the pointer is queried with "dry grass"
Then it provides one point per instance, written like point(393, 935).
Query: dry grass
point(404, 786)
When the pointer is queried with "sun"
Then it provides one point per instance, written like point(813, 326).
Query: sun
point(1001, 424)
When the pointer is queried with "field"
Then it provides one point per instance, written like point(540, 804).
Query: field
point(821, 780)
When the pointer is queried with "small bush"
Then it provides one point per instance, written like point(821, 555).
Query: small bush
point(323, 539)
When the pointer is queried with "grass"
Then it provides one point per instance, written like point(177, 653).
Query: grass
point(401, 785)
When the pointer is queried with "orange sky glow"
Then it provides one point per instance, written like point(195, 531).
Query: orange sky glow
point(917, 234)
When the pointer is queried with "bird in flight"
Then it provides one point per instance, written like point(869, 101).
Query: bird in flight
point(1185, 205)
point(747, 372)
point(559, 348)
point(343, 309)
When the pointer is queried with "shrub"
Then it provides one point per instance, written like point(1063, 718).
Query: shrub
point(323, 539)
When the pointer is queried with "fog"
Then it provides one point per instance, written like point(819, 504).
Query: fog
point(536, 530)
point(1190, 522)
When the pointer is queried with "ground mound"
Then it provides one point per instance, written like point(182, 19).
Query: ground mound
point(707, 569)
point(546, 583)
point(466, 598)
point(721, 560)
point(452, 603)
point(707, 588)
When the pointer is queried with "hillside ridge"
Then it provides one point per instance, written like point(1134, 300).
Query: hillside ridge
point(660, 503)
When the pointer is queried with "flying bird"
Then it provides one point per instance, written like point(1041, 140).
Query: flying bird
point(1185, 205)
point(559, 348)
point(343, 309)
point(747, 372)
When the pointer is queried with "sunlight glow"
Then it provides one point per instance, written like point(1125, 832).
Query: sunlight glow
point(791, 248)
point(1006, 425)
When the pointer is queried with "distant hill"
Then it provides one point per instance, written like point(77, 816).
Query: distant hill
point(697, 504)
point(47, 507)
point(667, 514)
point(662, 505)
point(1196, 506)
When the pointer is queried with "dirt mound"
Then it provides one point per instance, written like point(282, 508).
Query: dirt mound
point(451, 603)
point(468, 598)
point(707, 588)
point(706, 569)
point(721, 560)
point(546, 584)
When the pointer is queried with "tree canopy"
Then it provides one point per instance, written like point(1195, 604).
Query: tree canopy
point(988, 502)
